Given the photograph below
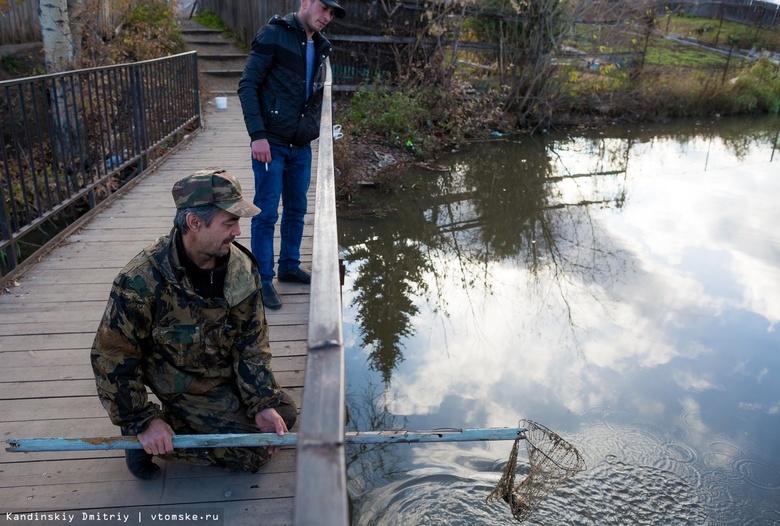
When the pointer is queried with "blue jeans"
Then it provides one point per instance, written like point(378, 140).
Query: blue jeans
point(288, 176)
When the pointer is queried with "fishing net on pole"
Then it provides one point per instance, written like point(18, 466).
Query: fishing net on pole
point(552, 460)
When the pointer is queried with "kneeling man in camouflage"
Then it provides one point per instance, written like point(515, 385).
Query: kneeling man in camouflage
point(185, 318)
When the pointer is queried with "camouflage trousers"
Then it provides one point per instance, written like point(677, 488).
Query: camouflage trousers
point(220, 411)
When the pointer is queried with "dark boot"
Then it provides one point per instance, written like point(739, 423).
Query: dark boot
point(297, 275)
point(139, 462)
point(270, 298)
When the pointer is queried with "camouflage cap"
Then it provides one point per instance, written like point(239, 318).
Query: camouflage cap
point(215, 187)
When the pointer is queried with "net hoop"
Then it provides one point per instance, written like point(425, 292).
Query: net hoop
point(552, 462)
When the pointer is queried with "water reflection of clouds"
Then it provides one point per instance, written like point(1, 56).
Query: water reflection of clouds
point(465, 362)
point(669, 293)
point(648, 337)
point(463, 358)
point(718, 220)
point(694, 382)
point(473, 360)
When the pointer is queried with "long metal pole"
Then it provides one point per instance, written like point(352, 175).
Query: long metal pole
point(30, 445)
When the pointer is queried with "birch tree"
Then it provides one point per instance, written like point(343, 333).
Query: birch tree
point(58, 45)
point(60, 55)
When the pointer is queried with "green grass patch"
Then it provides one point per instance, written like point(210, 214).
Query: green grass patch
point(394, 116)
point(589, 83)
point(713, 32)
point(667, 53)
point(11, 64)
point(209, 20)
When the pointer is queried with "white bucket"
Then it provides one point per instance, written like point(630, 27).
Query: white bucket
point(221, 101)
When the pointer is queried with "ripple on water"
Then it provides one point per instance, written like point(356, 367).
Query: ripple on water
point(617, 492)
point(681, 459)
point(720, 497)
point(722, 453)
point(635, 476)
point(612, 492)
point(433, 499)
point(692, 424)
point(680, 453)
point(758, 474)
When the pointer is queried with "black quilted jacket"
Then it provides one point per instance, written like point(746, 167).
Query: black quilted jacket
point(273, 86)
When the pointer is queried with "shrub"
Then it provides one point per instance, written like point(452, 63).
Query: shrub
point(151, 31)
point(757, 89)
point(395, 116)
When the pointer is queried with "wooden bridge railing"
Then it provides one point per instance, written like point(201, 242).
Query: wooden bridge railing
point(320, 472)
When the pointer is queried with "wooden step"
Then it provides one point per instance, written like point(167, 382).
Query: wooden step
point(207, 42)
point(201, 31)
point(224, 72)
point(221, 56)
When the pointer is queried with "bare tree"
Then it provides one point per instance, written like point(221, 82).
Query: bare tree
point(424, 29)
point(533, 38)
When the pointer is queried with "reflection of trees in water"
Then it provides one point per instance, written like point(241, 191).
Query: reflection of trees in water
point(390, 273)
point(492, 202)
point(511, 202)
point(738, 136)
point(371, 465)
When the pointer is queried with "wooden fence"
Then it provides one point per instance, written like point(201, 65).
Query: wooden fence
point(365, 42)
point(19, 24)
point(246, 17)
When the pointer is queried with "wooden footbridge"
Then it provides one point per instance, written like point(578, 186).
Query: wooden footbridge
point(48, 317)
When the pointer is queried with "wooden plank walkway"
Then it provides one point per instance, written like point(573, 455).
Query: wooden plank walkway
point(47, 324)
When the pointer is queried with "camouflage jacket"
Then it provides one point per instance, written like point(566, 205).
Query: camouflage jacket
point(156, 331)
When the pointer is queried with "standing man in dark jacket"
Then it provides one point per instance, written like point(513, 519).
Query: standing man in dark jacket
point(281, 98)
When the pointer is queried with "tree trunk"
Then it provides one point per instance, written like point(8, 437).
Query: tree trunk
point(68, 137)
point(58, 45)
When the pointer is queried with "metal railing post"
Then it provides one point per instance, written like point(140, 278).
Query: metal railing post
point(8, 255)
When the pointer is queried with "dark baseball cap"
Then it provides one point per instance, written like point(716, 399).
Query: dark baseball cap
point(215, 187)
point(340, 13)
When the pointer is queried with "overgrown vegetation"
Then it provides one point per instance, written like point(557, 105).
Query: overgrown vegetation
point(757, 90)
point(211, 20)
point(395, 116)
point(151, 31)
point(619, 61)
point(146, 29)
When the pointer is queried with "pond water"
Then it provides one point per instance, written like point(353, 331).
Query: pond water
point(620, 287)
